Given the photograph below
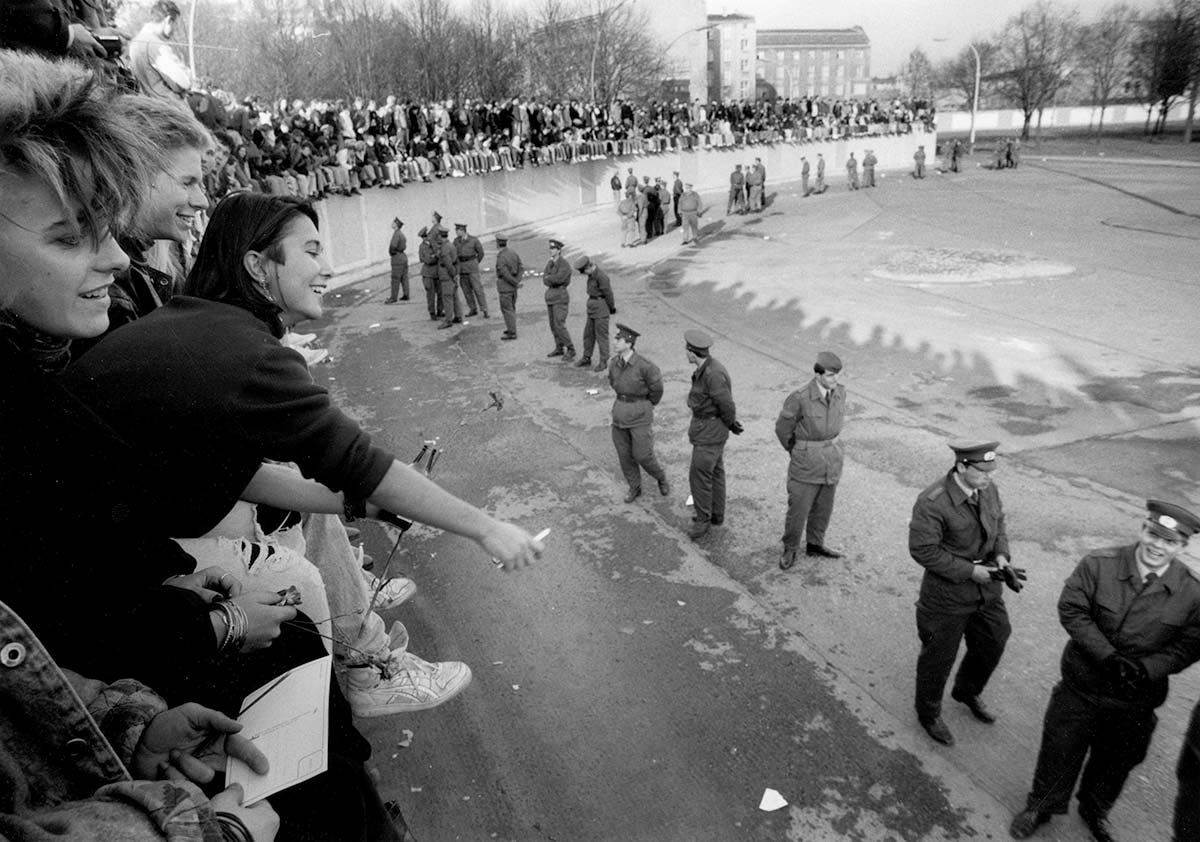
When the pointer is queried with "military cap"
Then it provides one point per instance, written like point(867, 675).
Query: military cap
point(981, 455)
point(1170, 521)
point(501, 240)
point(461, 225)
point(583, 263)
point(398, 222)
point(626, 332)
point(423, 232)
point(697, 340)
point(829, 361)
point(556, 244)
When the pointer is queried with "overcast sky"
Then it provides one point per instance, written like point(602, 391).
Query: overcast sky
point(896, 27)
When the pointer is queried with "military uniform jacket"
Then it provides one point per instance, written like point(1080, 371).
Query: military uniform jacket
point(808, 428)
point(600, 294)
point(869, 161)
point(689, 202)
point(447, 264)
point(469, 251)
point(508, 270)
point(556, 276)
point(736, 180)
point(1105, 611)
point(637, 378)
point(946, 537)
point(397, 248)
point(428, 256)
point(711, 402)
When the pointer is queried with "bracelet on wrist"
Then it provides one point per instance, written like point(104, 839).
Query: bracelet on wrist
point(233, 829)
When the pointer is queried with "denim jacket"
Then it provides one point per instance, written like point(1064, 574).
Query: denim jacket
point(64, 745)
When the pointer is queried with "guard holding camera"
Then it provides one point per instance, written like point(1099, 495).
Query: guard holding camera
point(1133, 616)
point(957, 534)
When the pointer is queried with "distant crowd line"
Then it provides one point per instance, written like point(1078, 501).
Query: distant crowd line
point(317, 149)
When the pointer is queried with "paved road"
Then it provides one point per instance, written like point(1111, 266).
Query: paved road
point(637, 686)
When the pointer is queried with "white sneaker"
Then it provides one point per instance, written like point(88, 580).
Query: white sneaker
point(313, 356)
point(395, 591)
point(297, 339)
point(413, 685)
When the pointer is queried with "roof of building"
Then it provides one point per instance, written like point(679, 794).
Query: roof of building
point(733, 17)
point(854, 37)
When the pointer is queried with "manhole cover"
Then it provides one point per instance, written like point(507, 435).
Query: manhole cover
point(966, 266)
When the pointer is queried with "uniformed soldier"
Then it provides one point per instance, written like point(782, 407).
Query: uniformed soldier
point(808, 427)
point(869, 163)
point(805, 190)
point(737, 191)
point(557, 276)
point(398, 253)
point(427, 252)
point(820, 188)
point(447, 268)
point(919, 162)
point(469, 251)
point(508, 281)
point(600, 306)
point(852, 173)
point(676, 193)
point(714, 417)
point(639, 387)
point(957, 534)
point(1133, 616)
point(689, 209)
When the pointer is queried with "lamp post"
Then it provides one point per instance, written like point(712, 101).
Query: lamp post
point(974, 99)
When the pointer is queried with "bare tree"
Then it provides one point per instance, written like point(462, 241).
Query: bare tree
point(1166, 57)
point(493, 41)
point(1105, 52)
point(917, 76)
point(1035, 51)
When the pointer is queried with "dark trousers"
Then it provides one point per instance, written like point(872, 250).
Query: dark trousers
point(706, 476)
point(452, 308)
point(635, 452)
point(675, 208)
point(342, 803)
point(809, 503)
point(433, 295)
point(1187, 771)
point(1114, 741)
point(986, 630)
point(472, 289)
point(595, 333)
point(804, 188)
point(868, 176)
point(508, 309)
point(557, 314)
point(399, 279)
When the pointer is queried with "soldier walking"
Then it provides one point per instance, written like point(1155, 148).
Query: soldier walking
point(1133, 617)
point(957, 534)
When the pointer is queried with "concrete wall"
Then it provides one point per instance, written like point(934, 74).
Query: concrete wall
point(1011, 119)
point(357, 228)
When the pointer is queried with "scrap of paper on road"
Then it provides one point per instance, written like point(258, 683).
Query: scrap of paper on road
point(288, 720)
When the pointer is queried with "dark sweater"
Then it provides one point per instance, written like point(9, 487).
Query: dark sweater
point(208, 393)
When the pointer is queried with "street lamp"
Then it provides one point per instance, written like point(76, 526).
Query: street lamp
point(974, 99)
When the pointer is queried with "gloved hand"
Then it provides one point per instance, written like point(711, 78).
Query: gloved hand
point(1128, 676)
point(1013, 577)
point(737, 428)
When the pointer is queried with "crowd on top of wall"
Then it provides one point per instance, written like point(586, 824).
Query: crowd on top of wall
point(318, 148)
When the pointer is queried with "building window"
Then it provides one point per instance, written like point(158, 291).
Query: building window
point(745, 65)
point(745, 44)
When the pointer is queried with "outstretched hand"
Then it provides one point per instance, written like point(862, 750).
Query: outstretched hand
point(511, 546)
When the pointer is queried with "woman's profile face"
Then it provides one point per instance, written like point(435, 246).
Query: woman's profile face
point(298, 283)
point(53, 275)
